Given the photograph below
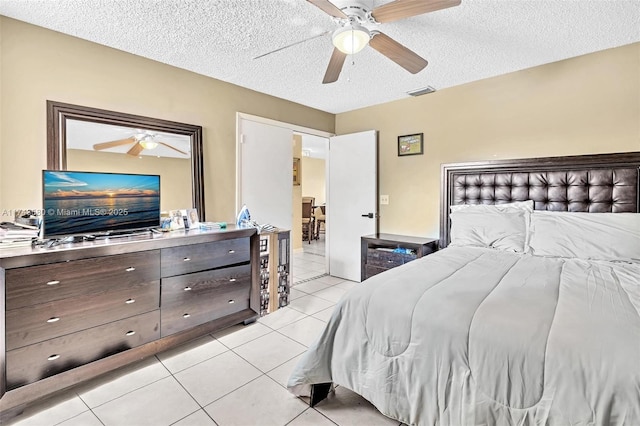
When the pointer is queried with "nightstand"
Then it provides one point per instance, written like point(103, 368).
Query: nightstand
point(378, 255)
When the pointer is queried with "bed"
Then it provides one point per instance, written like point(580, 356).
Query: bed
point(528, 315)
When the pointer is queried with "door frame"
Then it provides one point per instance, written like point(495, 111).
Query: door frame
point(295, 128)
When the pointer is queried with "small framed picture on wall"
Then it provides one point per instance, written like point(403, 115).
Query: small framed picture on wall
point(410, 144)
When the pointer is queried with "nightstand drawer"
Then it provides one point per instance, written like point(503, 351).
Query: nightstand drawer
point(45, 283)
point(35, 362)
point(200, 257)
point(387, 259)
point(33, 324)
point(378, 252)
point(373, 270)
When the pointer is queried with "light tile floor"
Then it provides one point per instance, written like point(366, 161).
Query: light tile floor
point(234, 377)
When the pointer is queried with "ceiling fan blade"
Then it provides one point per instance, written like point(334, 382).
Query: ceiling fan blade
point(401, 9)
point(399, 54)
point(293, 44)
point(135, 150)
point(112, 144)
point(335, 66)
point(329, 8)
point(173, 148)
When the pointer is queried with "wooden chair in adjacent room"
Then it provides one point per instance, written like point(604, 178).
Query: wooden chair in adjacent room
point(308, 219)
point(321, 222)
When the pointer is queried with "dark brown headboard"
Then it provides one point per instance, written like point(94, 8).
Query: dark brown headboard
point(584, 183)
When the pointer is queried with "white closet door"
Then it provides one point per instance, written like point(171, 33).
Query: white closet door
point(266, 173)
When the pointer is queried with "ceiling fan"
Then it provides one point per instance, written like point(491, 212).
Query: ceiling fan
point(140, 141)
point(357, 29)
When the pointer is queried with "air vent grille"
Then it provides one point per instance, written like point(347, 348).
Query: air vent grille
point(422, 91)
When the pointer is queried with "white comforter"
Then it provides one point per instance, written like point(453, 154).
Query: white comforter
point(471, 336)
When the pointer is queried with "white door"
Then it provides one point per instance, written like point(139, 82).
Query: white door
point(352, 208)
point(265, 175)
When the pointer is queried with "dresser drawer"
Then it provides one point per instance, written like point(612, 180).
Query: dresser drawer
point(33, 324)
point(387, 259)
point(45, 283)
point(200, 257)
point(35, 362)
point(198, 298)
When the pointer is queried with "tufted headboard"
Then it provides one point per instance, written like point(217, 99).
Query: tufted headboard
point(585, 183)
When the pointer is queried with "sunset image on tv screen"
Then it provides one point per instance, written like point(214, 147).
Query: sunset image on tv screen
point(89, 202)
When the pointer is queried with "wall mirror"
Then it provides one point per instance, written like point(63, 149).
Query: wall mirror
point(90, 139)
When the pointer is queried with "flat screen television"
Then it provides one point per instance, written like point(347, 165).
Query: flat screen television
point(95, 203)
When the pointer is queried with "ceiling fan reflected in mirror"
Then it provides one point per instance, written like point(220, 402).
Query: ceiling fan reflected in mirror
point(140, 141)
point(358, 28)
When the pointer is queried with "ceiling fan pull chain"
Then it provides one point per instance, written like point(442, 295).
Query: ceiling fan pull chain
point(353, 65)
point(353, 60)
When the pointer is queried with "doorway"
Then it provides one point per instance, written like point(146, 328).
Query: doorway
point(313, 185)
point(351, 186)
point(267, 148)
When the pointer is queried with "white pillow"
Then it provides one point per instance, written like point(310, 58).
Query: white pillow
point(598, 236)
point(500, 226)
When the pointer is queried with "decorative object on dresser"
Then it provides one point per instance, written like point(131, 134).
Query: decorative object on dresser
point(76, 311)
point(385, 251)
point(275, 278)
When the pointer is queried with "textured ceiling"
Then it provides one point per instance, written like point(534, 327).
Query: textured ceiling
point(220, 38)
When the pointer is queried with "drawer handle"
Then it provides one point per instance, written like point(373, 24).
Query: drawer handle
point(186, 259)
point(130, 269)
point(53, 319)
point(186, 315)
point(53, 282)
point(188, 289)
point(233, 280)
point(53, 357)
point(231, 251)
point(130, 301)
point(232, 301)
point(130, 333)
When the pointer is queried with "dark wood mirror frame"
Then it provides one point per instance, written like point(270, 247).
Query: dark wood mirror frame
point(58, 113)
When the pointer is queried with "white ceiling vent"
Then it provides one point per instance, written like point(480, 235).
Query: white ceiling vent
point(422, 91)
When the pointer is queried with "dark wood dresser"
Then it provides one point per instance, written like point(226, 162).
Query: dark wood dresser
point(377, 251)
point(76, 311)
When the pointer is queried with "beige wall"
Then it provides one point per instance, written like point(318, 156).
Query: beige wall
point(175, 173)
point(588, 104)
point(313, 179)
point(38, 64)
point(584, 105)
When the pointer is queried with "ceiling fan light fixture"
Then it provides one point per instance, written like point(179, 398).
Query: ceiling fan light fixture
point(147, 143)
point(351, 38)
